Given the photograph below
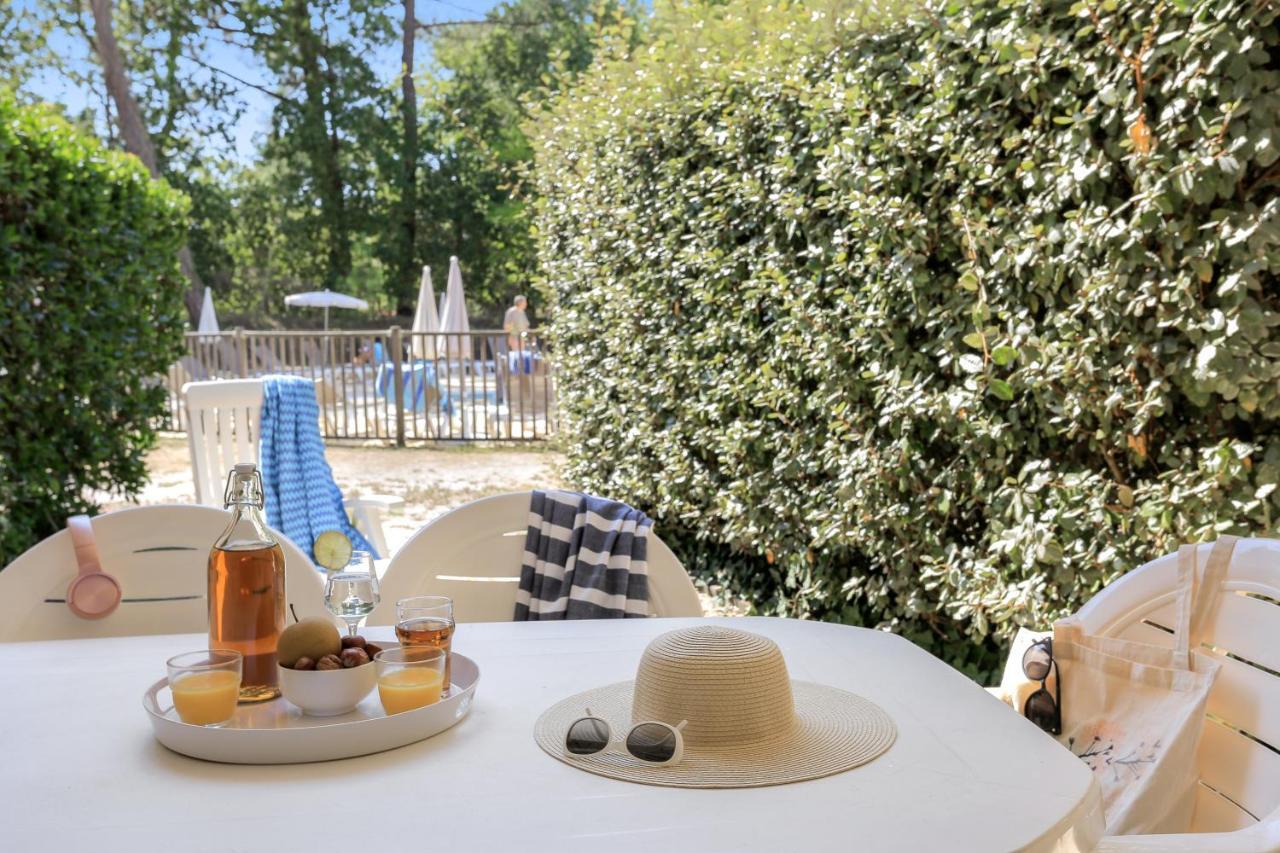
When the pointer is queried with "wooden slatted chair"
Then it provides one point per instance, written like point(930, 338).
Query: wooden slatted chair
point(1238, 800)
point(160, 556)
point(223, 428)
point(473, 554)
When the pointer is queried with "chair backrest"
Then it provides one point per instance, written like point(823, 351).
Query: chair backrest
point(473, 555)
point(160, 555)
point(222, 429)
point(1239, 758)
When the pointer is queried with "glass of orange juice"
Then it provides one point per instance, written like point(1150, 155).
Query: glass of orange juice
point(410, 677)
point(206, 685)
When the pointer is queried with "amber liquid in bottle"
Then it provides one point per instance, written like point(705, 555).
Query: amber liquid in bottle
point(246, 587)
point(246, 615)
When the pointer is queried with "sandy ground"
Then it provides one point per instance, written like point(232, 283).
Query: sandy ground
point(432, 480)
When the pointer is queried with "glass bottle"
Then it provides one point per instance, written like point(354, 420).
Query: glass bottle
point(246, 586)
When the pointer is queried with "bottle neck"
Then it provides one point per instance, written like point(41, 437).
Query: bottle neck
point(248, 528)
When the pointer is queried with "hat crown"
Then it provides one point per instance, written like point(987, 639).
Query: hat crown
point(730, 686)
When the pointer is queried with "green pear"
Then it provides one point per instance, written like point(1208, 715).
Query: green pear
point(311, 638)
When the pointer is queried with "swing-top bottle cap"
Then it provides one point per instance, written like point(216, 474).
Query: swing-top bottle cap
point(244, 486)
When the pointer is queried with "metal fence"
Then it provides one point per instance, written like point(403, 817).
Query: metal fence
point(393, 384)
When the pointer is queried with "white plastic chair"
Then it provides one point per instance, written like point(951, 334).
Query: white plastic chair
point(223, 419)
point(1238, 800)
point(473, 555)
point(160, 556)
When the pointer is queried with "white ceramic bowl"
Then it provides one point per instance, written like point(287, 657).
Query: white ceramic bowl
point(327, 692)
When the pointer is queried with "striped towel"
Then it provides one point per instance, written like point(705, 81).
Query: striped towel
point(302, 499)
point(584, 558)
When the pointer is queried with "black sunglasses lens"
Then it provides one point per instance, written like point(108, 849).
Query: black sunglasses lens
point(1041, 710)
point(587, 736)
point(652, 742)
point(1036, 662)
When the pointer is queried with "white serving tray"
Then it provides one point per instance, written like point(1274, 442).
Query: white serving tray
point(277, 732)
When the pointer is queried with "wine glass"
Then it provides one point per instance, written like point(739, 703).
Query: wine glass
point(352, 592)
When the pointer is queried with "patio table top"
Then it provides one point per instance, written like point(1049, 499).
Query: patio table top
point(81, 768)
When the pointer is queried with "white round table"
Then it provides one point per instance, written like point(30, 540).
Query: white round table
point(80, 768)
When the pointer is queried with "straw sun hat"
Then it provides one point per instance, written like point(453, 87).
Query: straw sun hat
point(748, 723)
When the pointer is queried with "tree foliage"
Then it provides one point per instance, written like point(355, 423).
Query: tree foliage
point(321, 198)
point(487, 83)
point(940, 328)
point(89, 277)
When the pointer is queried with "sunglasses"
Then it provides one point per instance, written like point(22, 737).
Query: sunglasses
point(651, 741)
point(1041, 708)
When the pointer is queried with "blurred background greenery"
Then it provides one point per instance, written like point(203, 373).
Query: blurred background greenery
point(308, 160)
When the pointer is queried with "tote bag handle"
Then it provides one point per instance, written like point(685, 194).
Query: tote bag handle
point(1198, 597)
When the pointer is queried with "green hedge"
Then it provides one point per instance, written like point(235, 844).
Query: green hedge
point(92, 300)
point(910, 332)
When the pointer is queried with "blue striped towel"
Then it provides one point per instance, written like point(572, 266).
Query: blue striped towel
point(302, 499)
point(584, 558)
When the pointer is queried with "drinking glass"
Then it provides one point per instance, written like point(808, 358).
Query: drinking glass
point(410, 677)
point(352, 592)
point(427, 620)
point(205, 685)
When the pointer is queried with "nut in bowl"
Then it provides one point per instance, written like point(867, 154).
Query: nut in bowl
point(332, 682)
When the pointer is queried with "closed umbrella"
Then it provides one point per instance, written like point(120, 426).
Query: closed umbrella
point(325, 299)
point(208, 317)
point(454, 319)
point(425, 319)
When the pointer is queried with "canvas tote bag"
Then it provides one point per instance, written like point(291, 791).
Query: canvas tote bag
point(1133, 712)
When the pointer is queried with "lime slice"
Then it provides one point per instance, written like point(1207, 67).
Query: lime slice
point(332, 549)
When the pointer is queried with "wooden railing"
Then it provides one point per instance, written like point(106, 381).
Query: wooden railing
point(393, 384)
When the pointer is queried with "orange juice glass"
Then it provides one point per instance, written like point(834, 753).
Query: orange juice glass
point(206, 685)
point(410, 677)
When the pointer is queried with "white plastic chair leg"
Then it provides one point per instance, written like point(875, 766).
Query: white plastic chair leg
point(366, 513)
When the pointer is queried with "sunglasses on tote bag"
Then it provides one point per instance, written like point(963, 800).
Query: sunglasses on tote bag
point(651, 741)
point(1041, 708)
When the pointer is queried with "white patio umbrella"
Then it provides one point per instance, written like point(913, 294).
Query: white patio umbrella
point(208, 317)
point(325, 299)
point(454, 319)
point(425, 319)
point(454, 316)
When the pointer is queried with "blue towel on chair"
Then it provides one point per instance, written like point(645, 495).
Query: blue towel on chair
point(302, 499)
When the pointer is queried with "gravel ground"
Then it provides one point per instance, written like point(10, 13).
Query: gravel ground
point(432, 480)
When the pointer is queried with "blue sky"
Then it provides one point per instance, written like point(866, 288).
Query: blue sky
point(54, 87)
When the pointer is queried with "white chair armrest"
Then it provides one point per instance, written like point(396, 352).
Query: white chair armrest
point(1262, 837)
point(383, 502)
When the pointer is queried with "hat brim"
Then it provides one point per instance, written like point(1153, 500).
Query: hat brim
point(834, 731)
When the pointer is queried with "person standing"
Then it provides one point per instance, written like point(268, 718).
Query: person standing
point(516, 322)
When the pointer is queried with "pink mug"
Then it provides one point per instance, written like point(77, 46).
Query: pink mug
point(93, 593)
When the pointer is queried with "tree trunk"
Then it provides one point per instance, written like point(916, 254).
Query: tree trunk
point(408, 164)
point(133, 131)
point(319, 122)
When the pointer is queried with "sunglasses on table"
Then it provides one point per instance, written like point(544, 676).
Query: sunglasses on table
point(1041, 708)
point(651, 741)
